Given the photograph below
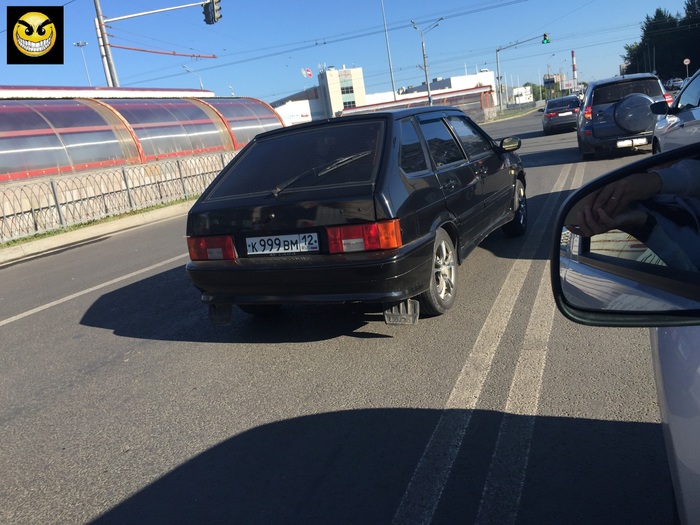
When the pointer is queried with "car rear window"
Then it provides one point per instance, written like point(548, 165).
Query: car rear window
point(563, 103)
point(343, 153)
point(609, 93)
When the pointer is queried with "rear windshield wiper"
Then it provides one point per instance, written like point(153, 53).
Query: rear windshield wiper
point(338, 163)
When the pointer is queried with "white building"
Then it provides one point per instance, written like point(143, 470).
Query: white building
point(343, 90)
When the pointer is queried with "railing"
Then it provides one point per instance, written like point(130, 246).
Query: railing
point(61, 202)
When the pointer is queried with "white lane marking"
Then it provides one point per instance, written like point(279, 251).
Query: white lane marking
point(500, 499)
point(89, 290)
point(425, 488)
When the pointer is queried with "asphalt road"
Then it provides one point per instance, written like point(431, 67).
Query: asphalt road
point(119, 403)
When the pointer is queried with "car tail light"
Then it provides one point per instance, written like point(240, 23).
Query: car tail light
point(588, 112)
point(384, 235)
point(669, 98)
point(211, 248)
point(550, 115)
point(575, 110)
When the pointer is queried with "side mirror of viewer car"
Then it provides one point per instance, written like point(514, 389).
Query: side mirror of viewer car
point(626, 246)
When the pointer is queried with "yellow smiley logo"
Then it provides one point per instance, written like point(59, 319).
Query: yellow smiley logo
point(34, 34)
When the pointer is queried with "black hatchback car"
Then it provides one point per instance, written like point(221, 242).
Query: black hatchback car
point(375, 208)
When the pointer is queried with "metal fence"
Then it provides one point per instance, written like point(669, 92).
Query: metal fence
point(60, 202)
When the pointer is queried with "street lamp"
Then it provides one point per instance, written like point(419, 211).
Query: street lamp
point(201, 86)
point(81, 45)
point(425, 58)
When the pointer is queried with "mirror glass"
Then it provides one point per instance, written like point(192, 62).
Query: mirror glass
point(634, 243)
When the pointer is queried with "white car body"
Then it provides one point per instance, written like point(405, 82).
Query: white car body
point(601, 281)
point(676, 355)
point(681, 125)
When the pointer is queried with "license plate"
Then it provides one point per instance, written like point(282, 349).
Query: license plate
point(565, 114)
point(282, 244)
point(631, 142)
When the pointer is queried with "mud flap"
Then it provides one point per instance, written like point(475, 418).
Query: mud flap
point(405, 312)
point(220, 314)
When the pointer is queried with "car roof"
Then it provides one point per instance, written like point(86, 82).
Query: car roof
point(565, 97)
point(390, 114)
point(622, 78)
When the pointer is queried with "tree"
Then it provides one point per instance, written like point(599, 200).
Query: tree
point(666, 41)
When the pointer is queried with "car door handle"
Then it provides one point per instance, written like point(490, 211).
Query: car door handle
point(450, 184)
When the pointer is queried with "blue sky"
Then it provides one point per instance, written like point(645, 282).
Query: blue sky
point(261, 47)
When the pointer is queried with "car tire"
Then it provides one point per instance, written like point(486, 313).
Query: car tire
point(518, 225)
point(585, 154)
point(442, 288)
point(633, 113)
point(259, 309)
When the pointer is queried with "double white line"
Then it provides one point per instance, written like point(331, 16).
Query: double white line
point(501, 495)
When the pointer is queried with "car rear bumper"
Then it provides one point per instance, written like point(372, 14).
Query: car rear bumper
point(638, 140)
point(559, 124)
point(372, 277)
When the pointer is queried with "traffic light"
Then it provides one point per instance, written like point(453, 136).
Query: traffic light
point(212, 11)
point(545, 38)
point(207, 10)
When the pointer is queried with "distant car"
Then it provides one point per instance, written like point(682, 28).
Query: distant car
point(675, 84)
point(560, 114)
point(377, 208)
point(616, 113)
point(646, 276)
point(681, 123)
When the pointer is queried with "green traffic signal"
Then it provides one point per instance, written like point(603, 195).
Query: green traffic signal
point(545, 38)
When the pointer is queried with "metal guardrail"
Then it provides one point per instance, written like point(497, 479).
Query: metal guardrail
point(56, 203)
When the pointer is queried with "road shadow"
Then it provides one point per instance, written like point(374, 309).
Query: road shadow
point(353, 467)
point(166, 307)
point(558, 156)
point(506, 247)
point(554, 157)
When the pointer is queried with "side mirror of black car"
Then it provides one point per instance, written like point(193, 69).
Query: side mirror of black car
point(626, 246)
point(541, 110)
point(659, 108)
point(510, 143)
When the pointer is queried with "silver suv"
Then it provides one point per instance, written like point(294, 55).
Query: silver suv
point(680, 124)
point(616, 113)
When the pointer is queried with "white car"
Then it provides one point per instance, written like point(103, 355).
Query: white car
point(656, 285)
point(681, 123)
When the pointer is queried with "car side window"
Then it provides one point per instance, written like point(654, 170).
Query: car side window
point(411, 154)
point(473, 142)
point(442, 145)
point(690, 98)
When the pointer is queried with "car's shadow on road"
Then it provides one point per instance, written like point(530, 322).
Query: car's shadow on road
point(354, 467)
point(559, 155)
point(167, 307)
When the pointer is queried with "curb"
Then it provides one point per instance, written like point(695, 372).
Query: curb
point(76, 237)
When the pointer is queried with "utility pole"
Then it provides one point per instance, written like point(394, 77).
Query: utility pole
point(425, 57)
point(545, 40)
point(81, 44)
point(105, 50)
point(388, 52)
